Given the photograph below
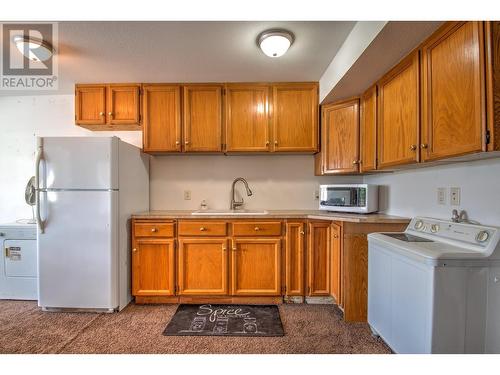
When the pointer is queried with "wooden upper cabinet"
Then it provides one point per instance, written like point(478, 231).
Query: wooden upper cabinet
point(368, 130)
point(90, 104)
point(336, 262)
point(247, 117)
point(398, 114)
point(256, 266)
point(340, 137)
point(295, 117)
point(294, 258)
point(123, 104)
point(202, 266)
point(453, 91)
point(202, 120)
point(162, 118)
point(318, 259)
point(153, 267)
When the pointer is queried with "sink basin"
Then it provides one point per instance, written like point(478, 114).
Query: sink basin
point(230, 212)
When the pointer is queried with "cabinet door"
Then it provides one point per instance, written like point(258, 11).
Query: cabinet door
point(318, 262)
point(256, 266)
point(295, 117)
point(202, 118)
point(398, 114)
point(368, 130)
point(247, 118)
point(90, 104)
point(202, 266)
point(123, 104)
point(453, 102)
point(336, 254)
point(341, 137)
point(294, 259)
point(162, 118)
point(153, 267)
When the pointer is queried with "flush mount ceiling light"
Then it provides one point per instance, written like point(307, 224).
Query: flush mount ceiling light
point(33, 48)
point(275, 42)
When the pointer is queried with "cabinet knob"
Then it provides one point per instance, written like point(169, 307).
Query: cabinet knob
point(134, 250)
point(267, 143)
point(203, 229)
point(101, 113)
point(354, 162)
point(335, 236)
point(177, 143)
point(302, 232)
point(413, 147)
point(234, 248)
point(110, 113)
point(256, 229)
point(186, 142)
point(424, 145)
point(275, 143)
point(224, 248)
point(154, 230)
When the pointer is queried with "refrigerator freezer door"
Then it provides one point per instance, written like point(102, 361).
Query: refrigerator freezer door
point(77, 253)
point(80, 163)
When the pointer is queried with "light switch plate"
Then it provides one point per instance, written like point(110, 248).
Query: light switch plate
point(187, 195)
point(441, 196)
point(455, 196)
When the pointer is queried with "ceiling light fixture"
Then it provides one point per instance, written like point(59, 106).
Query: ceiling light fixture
point(275, 42)
point(33, 48)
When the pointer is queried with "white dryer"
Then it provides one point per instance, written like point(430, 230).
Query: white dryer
point(435, 288)
point(18, 262)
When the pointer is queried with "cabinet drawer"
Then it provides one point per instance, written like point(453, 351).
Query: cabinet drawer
point(257, 228)
point(154, 229)
point(202, 228)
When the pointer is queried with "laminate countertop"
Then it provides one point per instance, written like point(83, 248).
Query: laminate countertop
point(277, 214)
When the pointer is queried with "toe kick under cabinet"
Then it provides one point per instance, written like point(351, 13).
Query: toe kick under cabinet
point(253, 261)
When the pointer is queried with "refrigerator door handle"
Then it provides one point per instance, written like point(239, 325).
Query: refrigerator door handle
point(39, 158)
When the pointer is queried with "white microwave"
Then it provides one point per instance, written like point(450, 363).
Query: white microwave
point(357, 198)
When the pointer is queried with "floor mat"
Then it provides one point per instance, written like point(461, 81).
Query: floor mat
point(225, 320)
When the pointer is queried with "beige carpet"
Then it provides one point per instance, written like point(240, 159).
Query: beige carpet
point(24, 328)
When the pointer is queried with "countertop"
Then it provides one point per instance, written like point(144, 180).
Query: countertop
point(278, 214)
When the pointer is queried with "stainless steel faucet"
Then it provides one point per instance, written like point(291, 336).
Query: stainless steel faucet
point(236, 204)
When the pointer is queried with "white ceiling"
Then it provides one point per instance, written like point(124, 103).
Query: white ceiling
point(190, 52)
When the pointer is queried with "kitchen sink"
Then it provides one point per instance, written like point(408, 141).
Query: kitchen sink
point(230, 212)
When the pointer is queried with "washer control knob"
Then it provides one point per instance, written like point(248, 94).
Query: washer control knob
point(435, 228)
point(482, 236)
point(419, 225)
point(2, 234)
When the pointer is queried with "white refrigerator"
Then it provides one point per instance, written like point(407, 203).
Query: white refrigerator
point(87, 189)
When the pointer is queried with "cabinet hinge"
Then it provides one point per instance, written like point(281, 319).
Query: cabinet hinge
point(488, 137)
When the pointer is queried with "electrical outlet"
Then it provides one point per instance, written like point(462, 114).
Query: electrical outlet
point(441, 196)
point(316, 195)
point(455, 196)
point(187, 195)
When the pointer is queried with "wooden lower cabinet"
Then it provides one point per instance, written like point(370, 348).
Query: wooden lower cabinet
point(202, 266)
point(318, 259)
point(336, 263)
point(256, 266)
point(153, 267)
point(294, 258)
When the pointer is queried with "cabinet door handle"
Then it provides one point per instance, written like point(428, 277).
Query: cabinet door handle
point(256, 229)
point(424, 145)
point(413, 147)
point(203, 229)
point(302, 232)
point(134, 250)
point(154, 230)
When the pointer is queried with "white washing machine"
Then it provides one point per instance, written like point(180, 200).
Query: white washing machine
point(435, 288)
point(18, 262)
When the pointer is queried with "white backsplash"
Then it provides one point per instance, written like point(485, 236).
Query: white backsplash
point(277, 181)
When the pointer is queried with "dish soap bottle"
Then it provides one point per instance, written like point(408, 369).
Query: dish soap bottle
point(203, 205)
